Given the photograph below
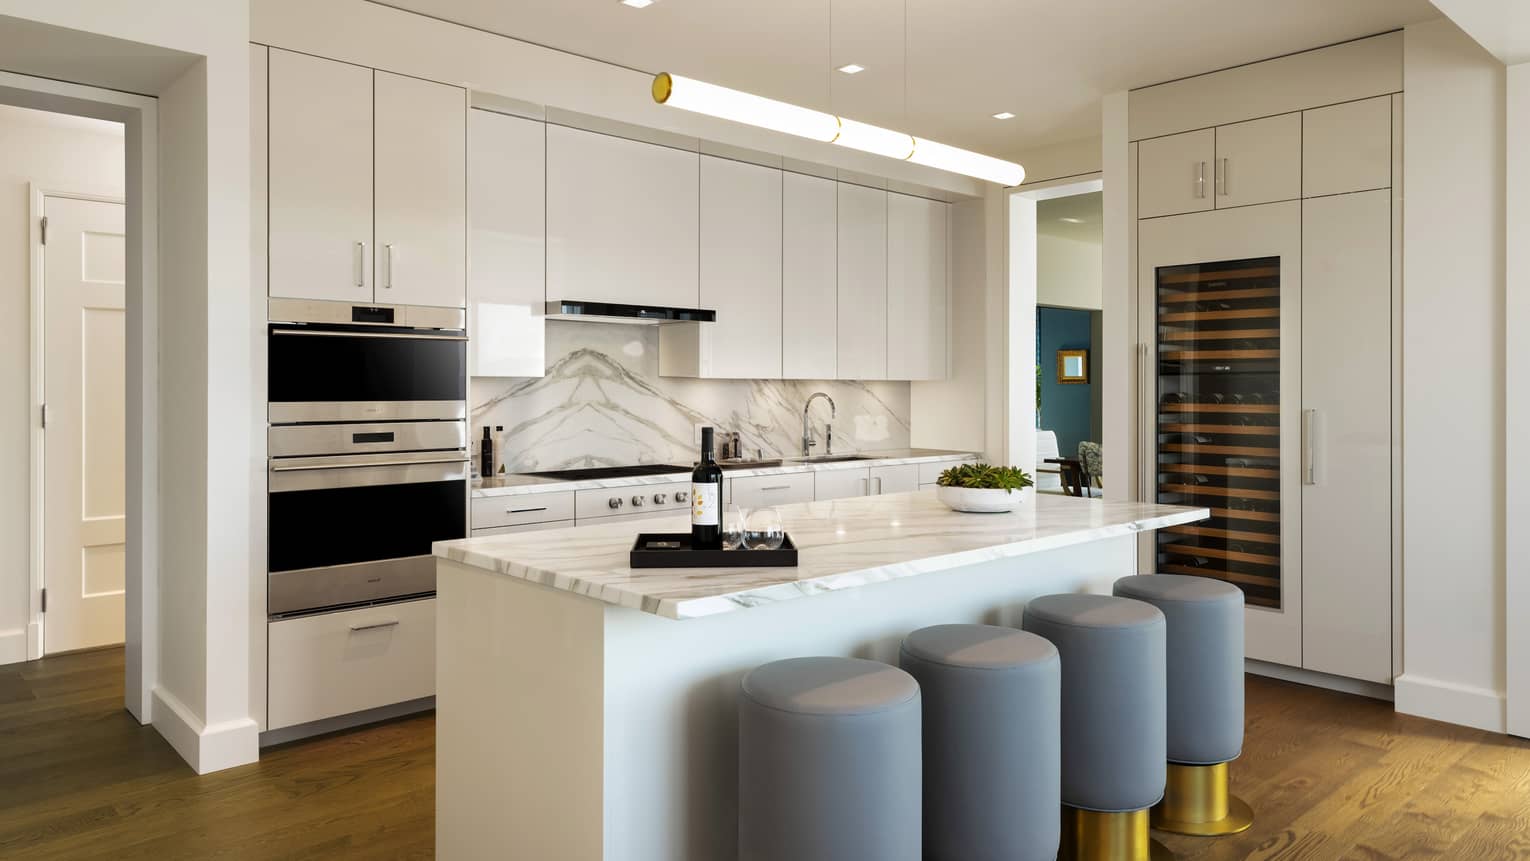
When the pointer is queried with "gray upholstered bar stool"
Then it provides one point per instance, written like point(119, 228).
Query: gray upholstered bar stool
point(1113, 720)
point(828, 762)
point(1205, 685)
point(991, 741)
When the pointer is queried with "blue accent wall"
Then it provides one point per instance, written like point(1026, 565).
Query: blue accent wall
point(1065, 409)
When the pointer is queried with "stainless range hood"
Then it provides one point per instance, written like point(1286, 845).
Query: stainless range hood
point(612, 312)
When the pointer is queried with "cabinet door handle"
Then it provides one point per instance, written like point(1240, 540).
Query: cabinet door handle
point(1309, 447)
point(1222, 177)
point(524, 510)
point(1200, 180)
point(388, 267)
point(865, 487)
point(391, 623)
point(361, 264)
point(879, 485)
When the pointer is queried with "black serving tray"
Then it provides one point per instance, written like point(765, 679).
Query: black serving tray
point(647, 553)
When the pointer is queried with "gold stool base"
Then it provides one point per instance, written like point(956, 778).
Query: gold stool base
point(1088, 835)
point(1196, 802)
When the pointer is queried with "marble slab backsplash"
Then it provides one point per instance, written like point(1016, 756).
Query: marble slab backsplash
point(603, 403)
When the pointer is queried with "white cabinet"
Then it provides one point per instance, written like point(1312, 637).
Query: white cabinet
point(420, 192)
point(740, 279)
point(895, 478)
point(1259, 161)
point(320, 180)
point(1174, 174)
point(841, 483)
point(756, 491)
point(862, 294)
point(1346, 402)
point(916, 288)
point(507, 237)
point(521, 509)
point(929, 472)
point(809, 261)
point(621, 220)
point(337, 663)
point(1347, 147)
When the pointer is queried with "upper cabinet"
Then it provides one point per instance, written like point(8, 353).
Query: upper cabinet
point(916, 288)
point(862, 293)
point(320, 179)
point(1174, 173)
point(1259, 161)
point(367, 185)
point(1347, 147)
point(809, 261)
point(622, 220)
point(421, 192)
point(507, 240)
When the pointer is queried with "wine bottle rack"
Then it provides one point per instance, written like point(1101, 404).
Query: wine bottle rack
point(1218, 421)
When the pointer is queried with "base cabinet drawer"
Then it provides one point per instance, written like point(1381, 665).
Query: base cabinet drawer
point(337, 663)
point(756, 491)
point(521, 509)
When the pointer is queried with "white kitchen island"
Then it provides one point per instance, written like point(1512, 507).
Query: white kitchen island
point(587, 711)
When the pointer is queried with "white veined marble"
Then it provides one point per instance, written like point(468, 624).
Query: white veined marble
point(842, 544)
point(603, 403)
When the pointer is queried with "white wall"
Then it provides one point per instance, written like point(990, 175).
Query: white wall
point(1069, 272)
point(951, 413)
point(1453, 389)
point(1072, 158)
point(204, 653)
point(56, 153)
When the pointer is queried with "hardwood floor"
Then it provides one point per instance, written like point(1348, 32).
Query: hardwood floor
point(1329, 777)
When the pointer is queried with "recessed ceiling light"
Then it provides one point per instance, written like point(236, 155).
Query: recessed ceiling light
point(1072, 220)
point(637, 4)
point(1003, 115)
point(851, 68)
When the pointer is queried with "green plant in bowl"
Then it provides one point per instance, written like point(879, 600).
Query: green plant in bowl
point(985, 477)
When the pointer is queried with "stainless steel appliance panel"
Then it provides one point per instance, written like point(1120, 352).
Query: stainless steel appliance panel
point(370, 438)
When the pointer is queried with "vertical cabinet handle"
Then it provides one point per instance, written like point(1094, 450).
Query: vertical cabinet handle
point(1200, 180)
point(361, 264)
point(879, 485)
point(1222, 177)
point(865, 487)
point(388, 266)
point(1309, 446)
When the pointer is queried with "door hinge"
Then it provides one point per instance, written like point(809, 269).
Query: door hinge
point(45, 600)
point(45, 230)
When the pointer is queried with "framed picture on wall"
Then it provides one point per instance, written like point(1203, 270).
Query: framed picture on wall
point(1073, 366)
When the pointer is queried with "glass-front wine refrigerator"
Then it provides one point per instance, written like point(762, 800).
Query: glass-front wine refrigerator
point(1218, 421)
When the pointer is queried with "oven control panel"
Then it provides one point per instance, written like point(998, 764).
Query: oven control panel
point(645, 500)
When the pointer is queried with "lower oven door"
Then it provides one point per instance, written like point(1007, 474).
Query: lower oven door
point(343, 535)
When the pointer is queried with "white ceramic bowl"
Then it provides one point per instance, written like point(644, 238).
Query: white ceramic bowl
point(979, 500)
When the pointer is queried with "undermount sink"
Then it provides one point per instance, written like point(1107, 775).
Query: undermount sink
point(832, 458)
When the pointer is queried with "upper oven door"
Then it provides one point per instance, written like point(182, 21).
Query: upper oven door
point(329, 375)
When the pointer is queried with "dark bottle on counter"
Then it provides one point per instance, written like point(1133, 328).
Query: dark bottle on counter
point(486, 454)
point(706, 499)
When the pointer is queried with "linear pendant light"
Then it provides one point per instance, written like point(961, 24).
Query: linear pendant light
point(741, 107)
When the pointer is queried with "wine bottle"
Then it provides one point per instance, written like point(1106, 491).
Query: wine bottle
point(706, 499)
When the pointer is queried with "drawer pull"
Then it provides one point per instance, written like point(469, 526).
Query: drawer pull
point(778, 487)
point(524, 510)
point(392, 623)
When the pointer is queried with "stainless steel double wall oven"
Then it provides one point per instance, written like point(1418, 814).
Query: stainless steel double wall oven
point(368, 451)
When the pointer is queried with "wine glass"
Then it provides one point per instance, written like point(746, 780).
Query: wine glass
point(733, 527)
point(763, 530)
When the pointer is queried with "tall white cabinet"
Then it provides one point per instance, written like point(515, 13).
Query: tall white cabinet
point(861, 327)
point(809, 277)
point(916, 288)
point(367, 188)
point(1265, 304)
point(507, 242)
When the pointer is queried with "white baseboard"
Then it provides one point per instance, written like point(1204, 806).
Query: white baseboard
point(13, 646)
point(1452, 703)
point(205, 748)
point(1313, 678)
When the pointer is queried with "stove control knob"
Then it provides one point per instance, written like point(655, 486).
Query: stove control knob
point(637, 501)
point(660, 498)
point(679, 496)
point(614, 502)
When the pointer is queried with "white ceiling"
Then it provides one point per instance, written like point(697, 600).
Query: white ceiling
point(1078, 216)
point(1048, 61)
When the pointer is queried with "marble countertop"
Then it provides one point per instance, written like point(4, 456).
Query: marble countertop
point(842, 544)
point(512, 485)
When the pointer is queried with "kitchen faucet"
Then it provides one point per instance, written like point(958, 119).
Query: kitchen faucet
point(807, 430)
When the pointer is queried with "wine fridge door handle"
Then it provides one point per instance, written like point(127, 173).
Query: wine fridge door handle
point(1149, 405)
point(1309, 447)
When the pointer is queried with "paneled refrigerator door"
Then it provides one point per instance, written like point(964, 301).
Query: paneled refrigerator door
point(1221, 307)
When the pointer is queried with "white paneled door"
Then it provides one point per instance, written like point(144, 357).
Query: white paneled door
point(83, 384)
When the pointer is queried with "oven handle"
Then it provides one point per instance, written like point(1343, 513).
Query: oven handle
point(370, 465)
point(416, 336)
